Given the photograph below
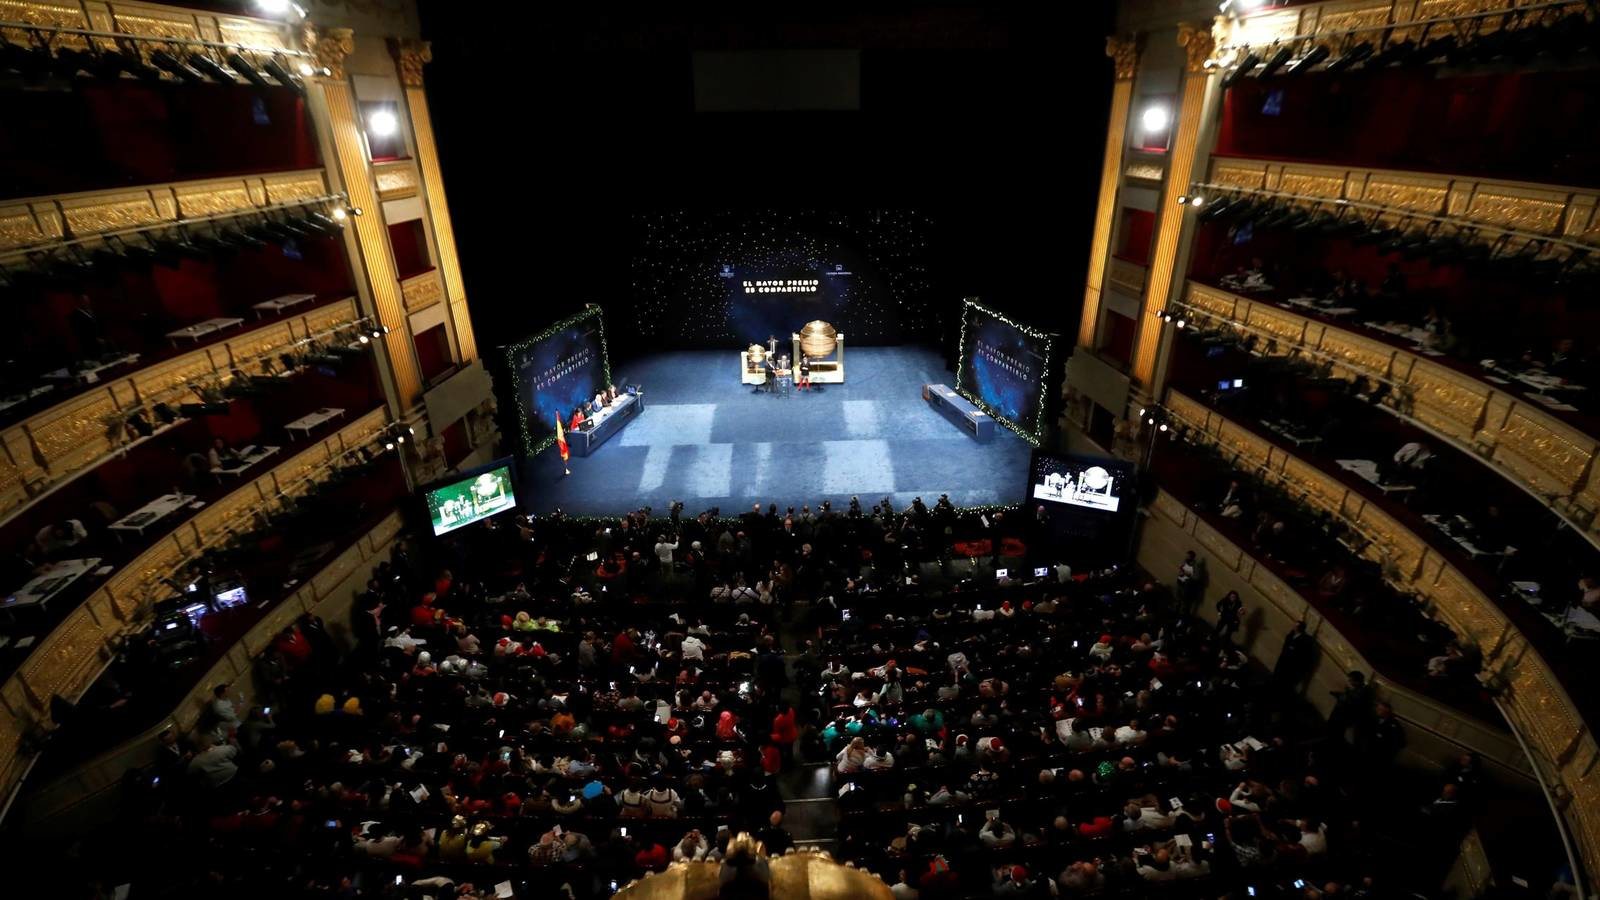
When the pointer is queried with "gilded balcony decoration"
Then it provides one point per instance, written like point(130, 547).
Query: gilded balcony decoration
point(1537, 707)
point(1533, 208)
point(82, 431)
point(1130, 277)
point(422, 291)
point(1197, 42)
point(396, 180)
point(1139, 171)
point(1551, 458)
point(28, 223)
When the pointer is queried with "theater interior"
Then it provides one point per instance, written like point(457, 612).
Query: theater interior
point(944, 450)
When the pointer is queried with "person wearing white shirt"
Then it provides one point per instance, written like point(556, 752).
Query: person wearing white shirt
point(664, 551)
point(878, 758)
point(694, 648)
point(600, 401)
point(1129, 734)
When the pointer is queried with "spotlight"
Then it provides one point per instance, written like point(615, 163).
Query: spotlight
point(388, 445)
point(1309, 61)
point(1432, 50)
point(363, 339)
point(275, 68)
point(1250, 61)
point(1197, 201)
point(70, 62)
point(1392, 54)
point(1183, 199)
point(176, 67)
point(211, 68)
point(1163, 426)
point(339, 215)
point(247, 71)
point(1180, 323)
point(1276, 62)
point(1350, 57)
point(383, 123)
point(306, 69)
point(325, 224)
point(400, 439)
point(1154, 118)
point(240, 239)
point(273, 7)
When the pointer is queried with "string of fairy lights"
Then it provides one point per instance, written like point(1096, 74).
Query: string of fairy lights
point(689, 267)
point(590, 311)
point(1035, 435)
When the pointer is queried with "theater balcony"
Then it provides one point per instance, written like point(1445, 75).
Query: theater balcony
point(1466, 323)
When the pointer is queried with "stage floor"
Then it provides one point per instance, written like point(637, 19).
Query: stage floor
point(707, 440)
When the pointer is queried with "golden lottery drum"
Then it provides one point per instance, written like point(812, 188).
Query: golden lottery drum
point(757, 353)
point(818, 339)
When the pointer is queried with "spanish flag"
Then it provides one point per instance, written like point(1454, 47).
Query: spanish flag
point(561, 444)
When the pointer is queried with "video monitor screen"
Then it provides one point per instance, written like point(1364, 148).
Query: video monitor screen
point(473, 498)
point(1086, 503)
point(1003, 368)
point(552, 373)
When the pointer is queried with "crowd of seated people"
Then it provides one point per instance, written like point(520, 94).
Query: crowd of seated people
point(503, 723)
point(1511, 543)
point(1083, 739)
point(1314, 553)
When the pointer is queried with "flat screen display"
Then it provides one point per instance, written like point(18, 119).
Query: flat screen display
point(1003, 368)
point(473, 498)
point(1085, 504)
point(553, 373)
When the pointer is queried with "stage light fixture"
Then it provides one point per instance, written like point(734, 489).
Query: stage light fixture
point(1154, 118)
point(1309, 61)
point(1197, 201)
point(1276, 62)
point(306, 69)
point(1163, 426)
point(388, 445)
point(363, 338)
point(210, 68)
point(384, 123)
point(1350, 57)
point(323, 223)
point(1392, 54)
point(275, 68)
point(339, 214)
point(1183, 199)
point(1180, 323)
point(1432, 50)
point(246, 71)
point(273, 7)
point(1250, 61)
point(176, 67)
point(70, 62)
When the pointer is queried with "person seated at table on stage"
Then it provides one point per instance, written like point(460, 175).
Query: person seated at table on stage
point(578, 418)
point(221, 455)
point(600, 401)
point(60, 539)
point(611, 394)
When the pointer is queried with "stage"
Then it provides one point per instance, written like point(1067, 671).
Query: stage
point(708, 440)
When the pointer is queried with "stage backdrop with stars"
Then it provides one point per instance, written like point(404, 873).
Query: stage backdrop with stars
point(730, 279)
point(1003, 368)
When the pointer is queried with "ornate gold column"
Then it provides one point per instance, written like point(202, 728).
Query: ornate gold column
point(1125, 53)
point(382, 283)
point(1197, 42)
point(409, 57)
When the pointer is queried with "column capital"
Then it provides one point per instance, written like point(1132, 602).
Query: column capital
point(1124, 53)
point(330, 46)
point(1198, 43)
point(411, 55)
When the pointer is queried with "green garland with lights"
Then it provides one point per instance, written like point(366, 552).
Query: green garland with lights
point(1036, 436)
point(590, 311)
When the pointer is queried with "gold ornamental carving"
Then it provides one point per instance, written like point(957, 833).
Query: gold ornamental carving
point(396, 180)
point(1521, 213)
point(1198, 43)
point(1312, 185)
point(1145, 171)
point(1124, 53)
point(422, 291)
point(330, 46)
point(410, 56)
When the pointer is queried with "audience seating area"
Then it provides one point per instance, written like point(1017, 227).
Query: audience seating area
point(567, 705)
